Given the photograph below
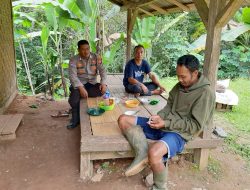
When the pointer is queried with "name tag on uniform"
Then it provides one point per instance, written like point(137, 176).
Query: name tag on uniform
point(81, 71)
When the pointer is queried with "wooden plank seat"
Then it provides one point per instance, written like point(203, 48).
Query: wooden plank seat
point(9, 125)
point(101, 137)
point(119, 143)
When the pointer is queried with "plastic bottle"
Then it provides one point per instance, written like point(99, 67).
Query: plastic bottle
point(106, 97)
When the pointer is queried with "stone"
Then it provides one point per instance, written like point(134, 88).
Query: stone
point(149, 181)
point(97, 177)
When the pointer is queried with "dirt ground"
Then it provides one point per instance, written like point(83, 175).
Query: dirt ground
point(45, 156)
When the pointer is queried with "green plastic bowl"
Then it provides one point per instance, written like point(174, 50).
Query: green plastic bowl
point(95, 111)
point(106, 108)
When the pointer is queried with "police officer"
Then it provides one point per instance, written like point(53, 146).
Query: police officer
point(83, 70)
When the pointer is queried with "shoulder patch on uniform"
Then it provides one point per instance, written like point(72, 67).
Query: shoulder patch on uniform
point(99, 59)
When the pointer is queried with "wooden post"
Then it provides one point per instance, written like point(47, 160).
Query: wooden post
point(131, 18)
point(212, 49)
point(212, 52)
point(218, 15)
point(86, 167)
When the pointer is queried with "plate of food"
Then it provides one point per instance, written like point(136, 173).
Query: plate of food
point(154, 102)
point(132, 103)
point(109, 105)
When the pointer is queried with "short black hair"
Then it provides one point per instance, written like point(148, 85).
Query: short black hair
point(82, 42)
point(190, 62)
point(139, 46)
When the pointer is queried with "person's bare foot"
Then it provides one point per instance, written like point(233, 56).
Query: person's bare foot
point(137, 95)
point(157, 92)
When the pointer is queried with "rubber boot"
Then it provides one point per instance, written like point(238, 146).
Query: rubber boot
point(138, 141)
point(160, 179)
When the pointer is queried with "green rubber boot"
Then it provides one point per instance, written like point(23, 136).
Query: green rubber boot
point(138, 141)
point(160, 180)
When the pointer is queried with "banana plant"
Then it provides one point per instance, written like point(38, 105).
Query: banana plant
point(229, 35)
point(143, 32)
point(49, 58)
point(85, 12)
point(110, 53)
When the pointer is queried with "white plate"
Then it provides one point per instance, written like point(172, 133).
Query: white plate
point(144, 100)
point(132, 112)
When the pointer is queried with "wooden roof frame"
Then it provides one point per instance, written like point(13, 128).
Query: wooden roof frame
point(214, 14)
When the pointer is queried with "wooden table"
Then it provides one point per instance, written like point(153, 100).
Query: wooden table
point(101, 137)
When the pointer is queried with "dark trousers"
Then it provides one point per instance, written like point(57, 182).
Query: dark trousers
point(75, 97)
point(135, 88)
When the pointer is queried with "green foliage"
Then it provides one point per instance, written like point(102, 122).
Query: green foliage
point(240, 118)
point(246, 15)
point(144, 31)
point(170, 47)
point(109, 56)
point(226, 35)
point(241, 149)
point(169, 82)
point(214, 168)
point(240, 115)
point(234, 62)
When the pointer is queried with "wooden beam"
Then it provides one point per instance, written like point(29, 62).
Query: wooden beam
point(146, 12)
point(191, 7)
point(119, 143)
point(227, 13)
point(157, 8)
point(178, 4)
point(202, 9)
point(116, 2)
point(128, 51)
point(130, 5)
point(86, 165)
point(131, 18)
point(212, 49)
point(84, 119)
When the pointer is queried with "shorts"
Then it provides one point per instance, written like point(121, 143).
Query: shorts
point(173, 141)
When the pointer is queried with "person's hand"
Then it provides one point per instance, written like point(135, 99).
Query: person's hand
point(156, 122)
point(103, 88)
point(144, 88)
point(162, 88)
point(83, 92)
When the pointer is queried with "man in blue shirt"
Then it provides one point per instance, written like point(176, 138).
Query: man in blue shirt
point(134, 73)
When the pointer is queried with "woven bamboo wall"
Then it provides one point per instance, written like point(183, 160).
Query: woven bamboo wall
point(8, 85)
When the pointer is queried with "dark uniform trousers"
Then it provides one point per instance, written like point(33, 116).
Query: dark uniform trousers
point(75, 97)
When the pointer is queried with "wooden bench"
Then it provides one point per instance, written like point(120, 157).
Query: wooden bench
point(101, 137)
